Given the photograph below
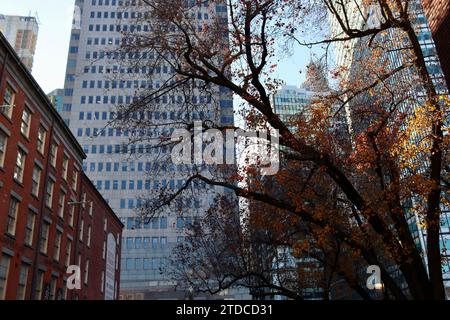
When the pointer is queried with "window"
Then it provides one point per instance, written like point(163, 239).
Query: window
point(41, 140)
point(3, 144)
point(179, 222)
point(20, 165)
point(26, 122)
point(80, 236)
point(154, 242)
point(74, 180)
point(155, 223)
point(146, 242)
point(39, 285)
point(53, 153)
point(163, 222)
point(146, 263)
point(129, 243)
point(22, 285)
point(71, 214)
point(44, 237)
point(12, 216)
point(65, 166)
point(53, 288)
point(104, 250)
point(57, 251)
point(86, 272)
point(36, 181)
point(68, 252)
point(4, 270)
point(138, 263)
point(163, 242)
point(89, 236)
point(49, 193)
point(61, 202)
point(102, 281)
point(138, 243)
point(29, 228)
point(105, 224)
point(8, 102)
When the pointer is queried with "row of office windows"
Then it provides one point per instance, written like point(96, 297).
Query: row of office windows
point(145, 243)
point(148, 185)
point(136, 15)
point(149, 115)
point(130, 55)
point(124, 149)
point(101, 69)
point(133, 223)
point(111, 132)
point(144, 264)
point(131, 28)
point(139, 203)
point(137, 223)
point(137, 185)
point(128, 3)
point(129, 99)
point(132, 166)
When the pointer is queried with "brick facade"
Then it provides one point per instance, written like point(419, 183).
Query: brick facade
point(438, 15)
point(44, 196)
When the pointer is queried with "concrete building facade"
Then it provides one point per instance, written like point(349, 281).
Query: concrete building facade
point(97, 81)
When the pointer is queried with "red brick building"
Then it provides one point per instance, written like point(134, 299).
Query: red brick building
point(97, 225)
point(51, 216)
point(438, 15)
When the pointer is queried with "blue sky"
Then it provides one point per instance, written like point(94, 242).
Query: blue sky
point(55, 17)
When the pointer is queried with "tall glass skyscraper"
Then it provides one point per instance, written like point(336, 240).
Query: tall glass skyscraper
point(349, 54)
point(127, 170)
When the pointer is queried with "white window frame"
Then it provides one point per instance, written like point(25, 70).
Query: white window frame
point(11, 223)
point(49, 193)
point(42, 135)
point(4, 137)
point(44, 244)
point(29, 231)
point(65, 167)
point(25, 123)
point(35, 184)
point(7, 106)
point(53, 153)
point(57, 248)
point(19, 167)
point(4, 275)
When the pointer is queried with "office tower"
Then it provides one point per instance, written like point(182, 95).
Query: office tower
point(125, 164)
point(300, 274)
point(22, 33)
point(352, 57)
point(438, 15)
point(291, 101)
point(56, 98)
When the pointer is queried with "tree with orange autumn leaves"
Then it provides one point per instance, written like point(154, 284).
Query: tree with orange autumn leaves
point(348, 198)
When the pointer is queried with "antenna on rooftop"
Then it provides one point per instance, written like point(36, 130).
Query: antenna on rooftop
point(37, 18)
